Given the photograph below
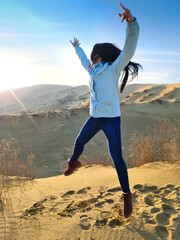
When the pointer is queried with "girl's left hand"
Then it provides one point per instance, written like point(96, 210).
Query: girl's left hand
point(75, 43)
point(126, 14)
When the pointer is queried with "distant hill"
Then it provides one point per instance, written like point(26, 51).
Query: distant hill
point(59, 97)
point(41, 98)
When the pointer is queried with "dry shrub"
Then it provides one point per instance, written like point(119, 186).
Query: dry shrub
point(173, 148)
point(141, 149)
point(159, 142)
point(13, 173)
point(10, 161)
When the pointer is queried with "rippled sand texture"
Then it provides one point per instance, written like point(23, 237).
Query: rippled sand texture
point(77, 207)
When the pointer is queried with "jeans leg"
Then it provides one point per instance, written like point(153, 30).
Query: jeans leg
point(90, 128)
point(112, 130)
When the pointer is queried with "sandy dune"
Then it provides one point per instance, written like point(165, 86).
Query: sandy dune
point(88, 205)
point(41, 98)
point(154, 93)
point(58, 97)
point(50, 135)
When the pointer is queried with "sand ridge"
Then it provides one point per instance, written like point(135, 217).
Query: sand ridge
point(155, 93)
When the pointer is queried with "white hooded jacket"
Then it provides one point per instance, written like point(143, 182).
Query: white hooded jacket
point(104, 78)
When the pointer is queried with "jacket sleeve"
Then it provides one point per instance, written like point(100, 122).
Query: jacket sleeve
point(82, 56)
point(132, 33)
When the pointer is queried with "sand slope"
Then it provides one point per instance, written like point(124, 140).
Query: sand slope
point(88, 205)
point(50, 135)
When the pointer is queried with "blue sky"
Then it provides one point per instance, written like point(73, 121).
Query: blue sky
point(35, 34)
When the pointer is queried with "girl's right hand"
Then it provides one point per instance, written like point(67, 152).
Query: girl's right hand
point(126, 14)
point(75, 43)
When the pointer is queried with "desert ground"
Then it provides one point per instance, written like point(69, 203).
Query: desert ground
point(45, 120)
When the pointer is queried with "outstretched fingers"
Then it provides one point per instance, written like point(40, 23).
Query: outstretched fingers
point(126, 15)
point(122, 16)
point(122, 6)
point(75, 43)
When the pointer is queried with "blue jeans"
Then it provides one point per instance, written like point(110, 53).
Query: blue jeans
point(112, 130)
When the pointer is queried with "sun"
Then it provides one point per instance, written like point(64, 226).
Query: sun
point(15, 72)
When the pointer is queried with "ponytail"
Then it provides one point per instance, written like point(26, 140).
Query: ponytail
point(131, 69)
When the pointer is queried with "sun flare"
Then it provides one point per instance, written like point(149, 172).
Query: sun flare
point(15, 72)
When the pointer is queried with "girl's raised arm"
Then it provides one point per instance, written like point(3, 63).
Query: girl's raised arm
point(132, 33)
point(81, 54)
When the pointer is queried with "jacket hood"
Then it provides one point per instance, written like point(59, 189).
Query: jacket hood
point(99, 67)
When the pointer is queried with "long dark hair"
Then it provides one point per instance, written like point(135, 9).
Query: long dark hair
point(109, 53)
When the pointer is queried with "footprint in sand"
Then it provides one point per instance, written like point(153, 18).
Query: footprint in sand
point(69, 193)
point(170, 186)
point(148, 217)
point(149, 200)
point(85, 222)
point(83, 190)
point(104, 214)
point(146, 188)
point(109, 192)
point(75, 207)
point(167, 189)
point(101, 222)
point(163, 218)
point(168, 208)
point(68, 211)
point(138, 186)
point(109, 200)
point(108, 220)
point(115, 222)
point(100, 204)
point(162, 232)
point(155, 210)
point(113, 190)
point(35, 209)
point(176, 224)
point(86, 203)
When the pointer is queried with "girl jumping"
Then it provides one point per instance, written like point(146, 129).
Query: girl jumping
point(104, 67)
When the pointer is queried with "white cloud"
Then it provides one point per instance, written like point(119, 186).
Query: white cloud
point(150, 52)
point(157, 60)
